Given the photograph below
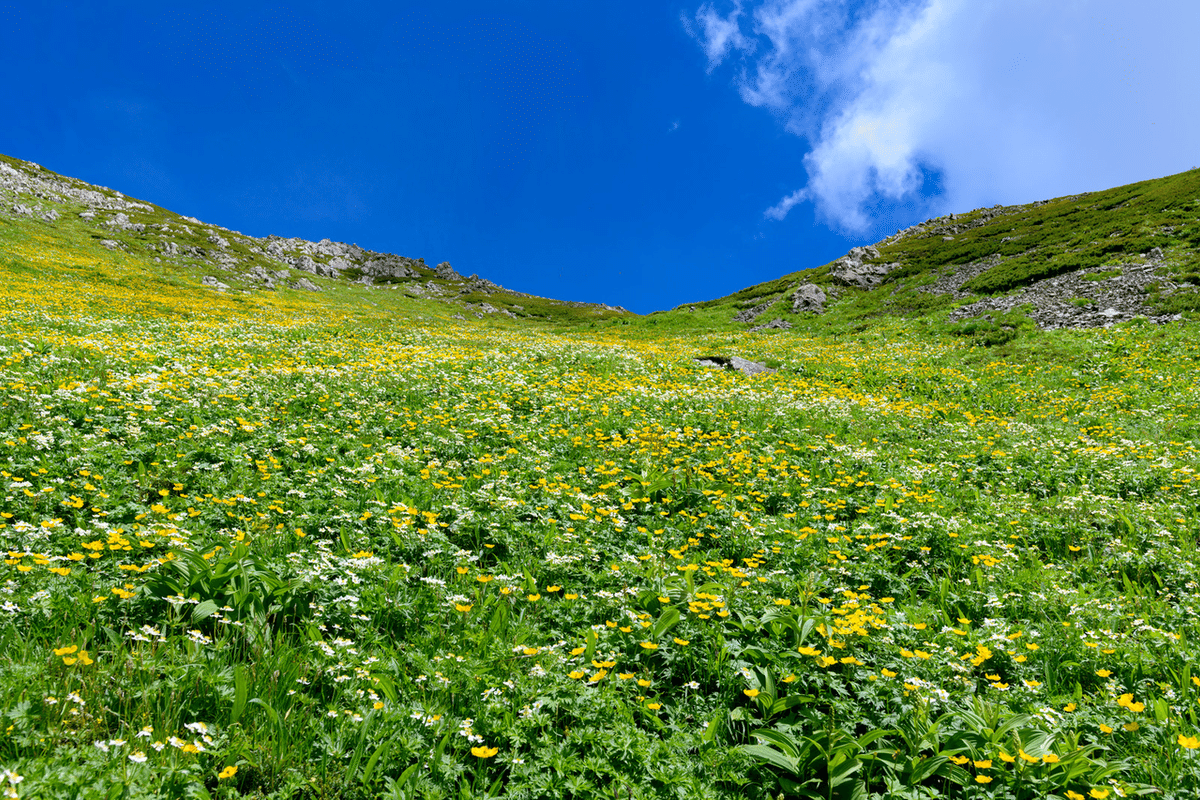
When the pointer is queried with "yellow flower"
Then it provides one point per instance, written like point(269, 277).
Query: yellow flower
point(1105, 729)
point(484, 752)
point(809, 651)
point(84, 659)
point(378, 705)
point(825, 661)
point(1006, 758)
point(649, 645)
point(1069, 707)
point(576, 675)
point(982, 779)
point(782, 601)
point(1098, 793)
point(463, 607)
point(959, 760)
point(228, 772)
point(681, 642)
point(1026, 757)
point(531, 651)
point(1051, 758)
point(654, 706)
point(533, 598)
point(1131, 726)
point(751, 693)
point(1104, 673)
point(66, 651)
point(1074, 795)
point(985, 764)
point(1190, 742)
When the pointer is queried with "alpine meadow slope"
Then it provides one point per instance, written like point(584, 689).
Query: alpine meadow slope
point(286, 519)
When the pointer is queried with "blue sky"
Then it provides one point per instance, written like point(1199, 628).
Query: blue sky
point(637, 153)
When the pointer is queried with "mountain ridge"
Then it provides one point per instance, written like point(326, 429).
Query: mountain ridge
point(247, 263)
point(1083, 260)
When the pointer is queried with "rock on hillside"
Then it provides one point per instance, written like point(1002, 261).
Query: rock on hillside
point(1083, 261)
point(247, 263)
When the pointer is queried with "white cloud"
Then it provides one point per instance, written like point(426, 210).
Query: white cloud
point(781, 209)
point(1004, 100)
point(716, 33)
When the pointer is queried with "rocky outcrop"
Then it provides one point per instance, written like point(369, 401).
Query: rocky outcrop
point(775, 324)
point(1072, 300)
point(808, 299)
point(853, 270)
point(742, 365)
point(750, 314)
point(30, 192)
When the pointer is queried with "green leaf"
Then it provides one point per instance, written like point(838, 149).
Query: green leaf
point(771, 756)
point(592, 639)
point(204, 610)
point(714, 725)
point(272, 713)
point(926, 767)
point(667, 620)
point(780, 739)
point(791, 701)
point(241, 691)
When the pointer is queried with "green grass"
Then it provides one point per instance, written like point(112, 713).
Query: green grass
point(1030, 243)
point(297, 545)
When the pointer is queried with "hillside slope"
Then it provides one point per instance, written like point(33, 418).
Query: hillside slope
point(1082, 261)
point(84, 217)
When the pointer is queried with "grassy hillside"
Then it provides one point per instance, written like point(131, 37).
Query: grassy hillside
point(1021, 244)
point(289, 544)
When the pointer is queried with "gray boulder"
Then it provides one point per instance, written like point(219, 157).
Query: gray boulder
point(446, 272)
point(851, 269)
point(742, 365)
point(261, 274)
point(306, 285)
point(390, 266)
point(213, 283)
point(808, 298)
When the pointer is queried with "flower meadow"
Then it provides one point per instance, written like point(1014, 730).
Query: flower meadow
point(284, 546)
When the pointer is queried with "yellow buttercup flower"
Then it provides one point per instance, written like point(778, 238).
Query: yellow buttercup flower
point(483, 751)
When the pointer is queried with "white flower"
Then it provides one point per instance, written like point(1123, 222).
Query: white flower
point(137, 757)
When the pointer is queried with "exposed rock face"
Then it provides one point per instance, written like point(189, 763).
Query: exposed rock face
point(446, 272)
point(742, 365)
point(306, 285)
point(851, 269)
point(212, 282)
point(390, 266)
point(775, 324)
point(750, 314)
point(1070, 301)
point(808, 298)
